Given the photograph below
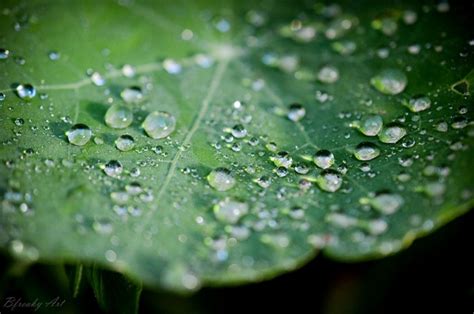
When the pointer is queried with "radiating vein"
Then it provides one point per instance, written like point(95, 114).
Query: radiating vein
point(217, 76)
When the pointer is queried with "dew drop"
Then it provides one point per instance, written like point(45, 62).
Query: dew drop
point(4, 53)
point(370, 125)
point(132, 95)
point(159, 124)
point(230, 211)
point(389, 81)
point(324, 159)
point(328, 74)
point(418, 103)
point(366, 151)
point(263, 181)
point(392, 134)
point(296, 112)
point(239, 131)
point(281, 172)
point(54, 55)
point(103, 226)
point(282, 159)
point(125, 143)
point(113, 168)
point(329, 180)
point(79, 134)
point(221, 179)
point(301, 169)
point(26, 91)
point(385, 203)
point(97, 79)
point(171, 66)
point(118, 117)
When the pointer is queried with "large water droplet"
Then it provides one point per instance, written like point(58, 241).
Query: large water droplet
point(296, 112)
point(329, 180)
point(79, 134)
point(26, 91)
point(392, 134)
point(370, 125)
point(366, 151)
point(221, 179)
point(125, 142)
point(418, 103)
point(159, 124)
point(324, 159)
point(389, 81)
point(132, 94)
point(118, 117)
point(230, 211)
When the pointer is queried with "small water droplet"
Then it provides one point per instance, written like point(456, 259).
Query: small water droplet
point(171, 66)
point(4, 53)
point(366, 151)
point(159, 124)
point(118, 117)
point(389, 81)
point(132, 95)
point(296, 112)
point(113, 168)
point(324, 159)
point(230, 211)
point(125, 143)
point(97, 79)
point(79, 134)
point(221, 179)
point(418, 103)
point(328, 74)
point(384, 202)
point(301, 169)
point(103, 226)
point(392, 134)
point(26, 91)
point(329, 180)
point(239, 131)
point(54, 55)
point(263, 181)
point(282, 159)
point(370, 125)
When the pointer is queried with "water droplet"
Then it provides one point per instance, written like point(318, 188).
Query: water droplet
point(389, 81)
point(386, 203)
point(296, 112)
point(366, 151)
point(433, 189)
point(118, 117)
point(281, 172)
point(79, 134)
point(128, 70)
point(113, 168)
point(239, 131)
point(392, 134)
point(370, 125)
point(132, 95)
point(230, 211)
point(19, 121)
point(133, 188)
point(4, 53)
point(263, 181)
point(125, 143)
point(329, 180)
point(221, 179)
point(442, 126)
point(103, 226)
point(159, 124)
point(26, 91)
point(301, 169)
point(282, 159)
point(418, 103)
point(54, 55)
point(97, 79)
point(324, 159)
point(2, 96)
point(328, 74)
point(171, 66)
point(459, 122)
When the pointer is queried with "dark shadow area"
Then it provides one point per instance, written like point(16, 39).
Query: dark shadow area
point(96, 111)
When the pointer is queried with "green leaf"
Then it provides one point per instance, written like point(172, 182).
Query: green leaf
point(113, 291)
point(385, 94)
